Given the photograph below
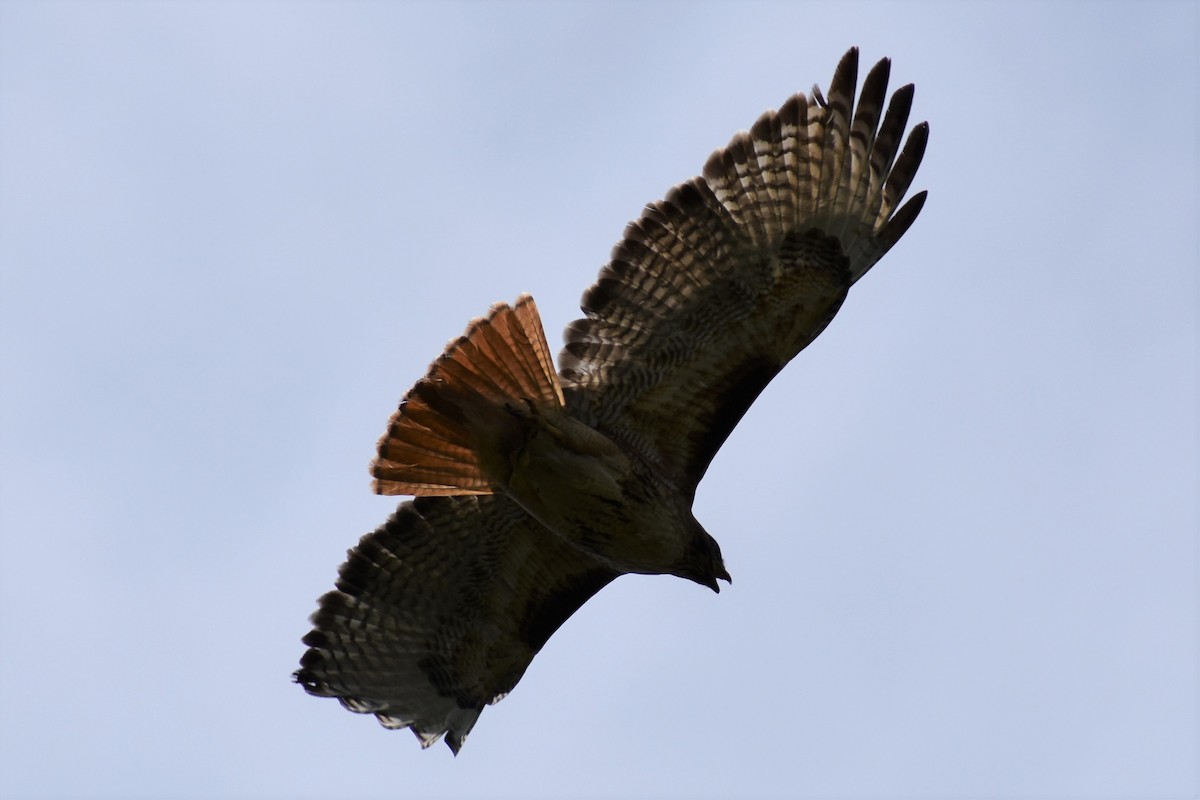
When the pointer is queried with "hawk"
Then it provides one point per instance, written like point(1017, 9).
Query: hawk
point(535, 488)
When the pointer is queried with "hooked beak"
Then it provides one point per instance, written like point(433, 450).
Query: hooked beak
point(723, 575)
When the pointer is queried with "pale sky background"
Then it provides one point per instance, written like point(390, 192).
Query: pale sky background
point(962, 526)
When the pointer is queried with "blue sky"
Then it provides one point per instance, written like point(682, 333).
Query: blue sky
point(962, 525)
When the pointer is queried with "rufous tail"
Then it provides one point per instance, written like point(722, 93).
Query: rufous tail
point(456, 427)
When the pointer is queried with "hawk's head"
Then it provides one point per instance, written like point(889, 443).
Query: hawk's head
point(702, 561)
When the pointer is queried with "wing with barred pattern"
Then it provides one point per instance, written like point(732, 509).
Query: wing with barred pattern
point(439, 612)
point(717, 286)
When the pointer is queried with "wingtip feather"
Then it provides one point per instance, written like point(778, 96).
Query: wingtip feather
point(844, 173)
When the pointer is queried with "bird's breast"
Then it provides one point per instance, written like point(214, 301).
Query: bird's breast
point(589, 490)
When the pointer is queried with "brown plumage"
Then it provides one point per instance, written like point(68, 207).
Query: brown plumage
point(536, 489)
point(458, 414)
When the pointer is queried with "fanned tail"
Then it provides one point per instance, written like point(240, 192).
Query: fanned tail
point(455, 427)
point(827, 164)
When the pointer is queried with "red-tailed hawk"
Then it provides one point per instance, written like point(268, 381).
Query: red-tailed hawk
point(536, 488)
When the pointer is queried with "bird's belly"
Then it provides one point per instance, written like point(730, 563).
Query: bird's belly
point(596, 497)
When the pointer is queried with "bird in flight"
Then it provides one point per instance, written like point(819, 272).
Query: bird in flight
point(533, 489)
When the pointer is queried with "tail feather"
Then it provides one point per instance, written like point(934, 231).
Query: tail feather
point(826, 163)
point(453, 429)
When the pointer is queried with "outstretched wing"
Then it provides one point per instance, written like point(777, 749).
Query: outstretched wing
point(439, 612)
point(716, 287)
